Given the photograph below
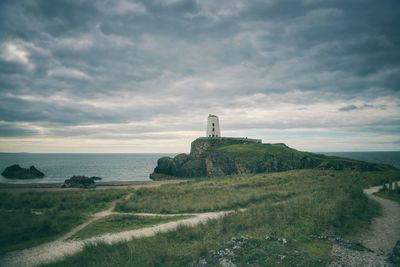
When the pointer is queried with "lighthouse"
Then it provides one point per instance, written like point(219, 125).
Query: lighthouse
point(213, 126)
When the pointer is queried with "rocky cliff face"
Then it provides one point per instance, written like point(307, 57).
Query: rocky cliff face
point(213, 157)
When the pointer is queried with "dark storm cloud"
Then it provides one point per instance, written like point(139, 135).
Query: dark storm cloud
point(364, 106)
point(96, 62)
point(10, 130)
point(62, 16)
point(349, 108)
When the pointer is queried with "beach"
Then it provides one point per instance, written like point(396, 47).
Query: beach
point(99, 185)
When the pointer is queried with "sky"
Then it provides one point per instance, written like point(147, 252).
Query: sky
point(142, 76)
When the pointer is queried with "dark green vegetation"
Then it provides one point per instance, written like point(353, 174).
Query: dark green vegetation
point(281, 230)
point(29, 218)
point(17, 172)
point(118, 223)
point(80, 182)
point(394, 256)
point(391, 191)
point(213, 157)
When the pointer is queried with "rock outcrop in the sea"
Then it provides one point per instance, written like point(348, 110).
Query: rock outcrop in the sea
point(17, 172)
point(80, 182)
point(212, 157)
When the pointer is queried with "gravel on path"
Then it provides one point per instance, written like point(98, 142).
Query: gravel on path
point(379, 240)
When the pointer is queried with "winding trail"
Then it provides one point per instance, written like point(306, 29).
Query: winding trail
point(381, 237)
point(385, 230)
point(94, 218)
point(55, 250)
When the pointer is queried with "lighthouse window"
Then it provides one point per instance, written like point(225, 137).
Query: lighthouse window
point(213, 124)
point(213, 129)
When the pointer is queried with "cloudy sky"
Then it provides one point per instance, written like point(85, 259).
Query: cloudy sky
point(142, 76)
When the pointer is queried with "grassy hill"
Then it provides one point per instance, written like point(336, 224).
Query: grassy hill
point(287, 219)
point(213, 157)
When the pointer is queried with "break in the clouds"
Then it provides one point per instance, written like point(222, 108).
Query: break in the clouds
point(142, 76)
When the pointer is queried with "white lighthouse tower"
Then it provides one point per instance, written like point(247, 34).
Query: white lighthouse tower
point(213, 126)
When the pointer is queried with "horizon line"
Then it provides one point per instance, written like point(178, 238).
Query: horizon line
point(313, 151)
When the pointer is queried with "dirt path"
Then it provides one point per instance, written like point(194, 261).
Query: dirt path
point(94, 217)
point(385, 230)
point(379, 239)
point(53, 251)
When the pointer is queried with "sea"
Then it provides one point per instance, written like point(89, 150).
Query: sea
point(58, 167)
point(125, 167)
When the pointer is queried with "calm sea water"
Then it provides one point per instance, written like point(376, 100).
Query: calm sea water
point(58, 167)
point(125, 167)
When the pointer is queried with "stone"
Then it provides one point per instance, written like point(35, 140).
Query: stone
point(80, 182)
point(394, 256)
point(17, 172)
point(199, 263)
point(226, 263)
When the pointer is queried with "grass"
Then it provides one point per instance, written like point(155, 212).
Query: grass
point(394, 197)
point(254, 150)
point(199, 197)
point(392, 193)
point(29, 218)
point(239, 191)
point(271, 232)
point(119, 223)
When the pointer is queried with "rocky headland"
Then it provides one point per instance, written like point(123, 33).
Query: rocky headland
point(17, 172)
point(213, 157)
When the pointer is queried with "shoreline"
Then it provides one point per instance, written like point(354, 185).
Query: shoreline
point(99, 185)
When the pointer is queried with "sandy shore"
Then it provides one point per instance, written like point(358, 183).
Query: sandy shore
point(99, 185)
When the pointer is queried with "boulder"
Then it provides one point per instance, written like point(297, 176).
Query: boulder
point(165, 165)
point(80, 182)
point(17, 172)
point(394, 256)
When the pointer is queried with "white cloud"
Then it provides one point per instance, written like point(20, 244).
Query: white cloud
point(124, 7)
point(167, 2)
point(76, 44)
point(218, 10)
point(16, 53)
point(69, 73)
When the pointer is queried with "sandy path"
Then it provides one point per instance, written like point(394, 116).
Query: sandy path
point(94, 218)
point(99, 185)
point(53, 251)
point(380, 238)
point(385, 230)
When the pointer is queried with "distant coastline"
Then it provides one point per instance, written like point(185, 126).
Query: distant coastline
point(387, 157)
